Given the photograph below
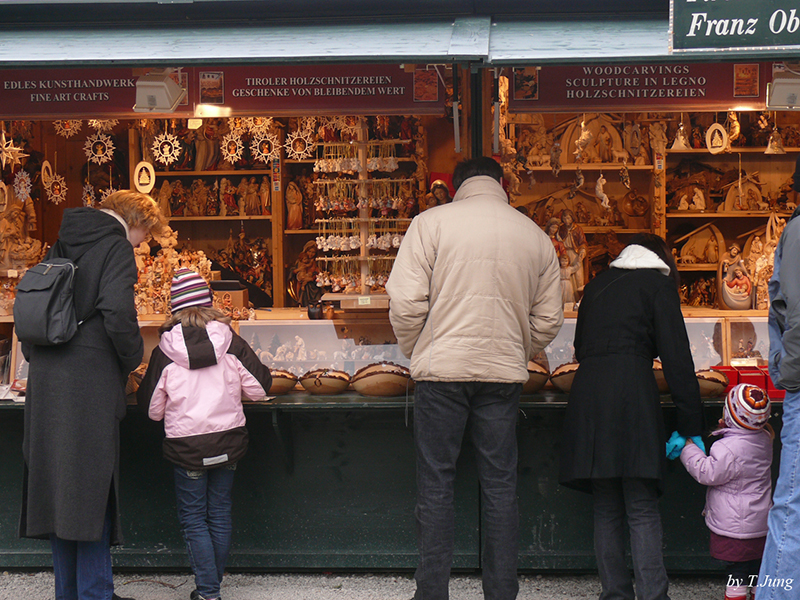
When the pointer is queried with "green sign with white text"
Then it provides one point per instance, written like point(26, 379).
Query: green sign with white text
point(734, 24)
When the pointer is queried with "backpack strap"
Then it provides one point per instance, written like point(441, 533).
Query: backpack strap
point(57, 251)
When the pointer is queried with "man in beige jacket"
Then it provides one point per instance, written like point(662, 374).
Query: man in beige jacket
point(475, 293)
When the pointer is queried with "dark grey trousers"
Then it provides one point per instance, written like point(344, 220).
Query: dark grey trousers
point(441, 410)
point(637, 500)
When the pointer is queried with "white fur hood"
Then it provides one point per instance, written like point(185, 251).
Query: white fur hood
point(639, 257)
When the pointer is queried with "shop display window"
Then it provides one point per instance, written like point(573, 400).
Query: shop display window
point(302, 346)
point(561, 350)
point(748, 341)
point(706, 341)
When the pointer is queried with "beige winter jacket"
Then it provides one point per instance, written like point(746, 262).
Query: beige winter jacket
point(475, 290)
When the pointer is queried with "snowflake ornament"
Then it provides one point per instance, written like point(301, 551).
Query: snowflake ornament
point(67, 128)
point(232, 147)
point(266, 147)
point(237, 125)
point(257, 125)
point(57, 190)
point(88, 197)
point(299, 144)
point(106, 193)
point(9, 154)
point(99, 148)
point(307, 123)
point(350, 126)
point(103, 125)
point(166, 149)
point(22, 185)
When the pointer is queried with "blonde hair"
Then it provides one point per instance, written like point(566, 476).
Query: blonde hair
point(136, 209)
point(194, 316)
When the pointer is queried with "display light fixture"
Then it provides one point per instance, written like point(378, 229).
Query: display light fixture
point(157, 92)
point(783, 93)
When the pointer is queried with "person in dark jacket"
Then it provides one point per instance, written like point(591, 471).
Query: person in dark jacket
point(75, 398)
point(194, 382)
point(614, 438)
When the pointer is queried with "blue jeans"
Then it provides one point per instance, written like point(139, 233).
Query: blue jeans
point(780, 565)
point(204, 511)
point(637, 500)
point(441, 410)
point(82, 570)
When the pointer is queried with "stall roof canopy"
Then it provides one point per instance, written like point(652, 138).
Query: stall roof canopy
point(482, 32)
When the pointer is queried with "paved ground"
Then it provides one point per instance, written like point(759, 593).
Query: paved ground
point(238, 586)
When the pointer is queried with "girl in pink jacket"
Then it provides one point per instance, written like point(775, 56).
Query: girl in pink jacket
point(194, 382)
point(737, 472)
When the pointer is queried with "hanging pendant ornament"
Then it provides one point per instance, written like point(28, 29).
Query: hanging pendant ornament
point(166, 149)
point(67, 128)
point(232, 147)
point(99, 148)
point(299, 145)
point(144, 177)
point(716, 138)
point(265, 148)
point(775, 144)
point(9, 154)
point(88, 197)
point(624, 176)
point(258, 125)
point(57, 190)
point(106, 193)
point(47, 173)
point(103, 125)
point(681, 139)
point(237, 125)
point(22, 185)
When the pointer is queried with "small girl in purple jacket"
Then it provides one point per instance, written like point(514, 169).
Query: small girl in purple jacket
point(737, 472)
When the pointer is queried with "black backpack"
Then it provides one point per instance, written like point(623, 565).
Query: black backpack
point(44, 312)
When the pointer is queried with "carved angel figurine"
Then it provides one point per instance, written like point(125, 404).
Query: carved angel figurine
point(582, 142)
point(601, 195)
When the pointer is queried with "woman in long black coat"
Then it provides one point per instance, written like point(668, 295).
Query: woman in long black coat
point(75, 398)
point(614, 438)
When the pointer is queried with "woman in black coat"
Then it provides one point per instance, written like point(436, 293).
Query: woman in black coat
point(75, 398)
point(614, 438)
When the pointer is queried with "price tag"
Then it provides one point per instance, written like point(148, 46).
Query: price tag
point(13, 273)
point(364, 300)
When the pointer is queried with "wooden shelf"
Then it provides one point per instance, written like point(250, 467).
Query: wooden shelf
point(212, 173)
point(617, 230)
point(225, 218)
point(300, 231)
point(697, 267)
point(725, 215)
point(595, 167)
point(758, 150)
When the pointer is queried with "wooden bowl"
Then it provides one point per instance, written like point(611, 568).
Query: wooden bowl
point(712, 383)
point(661, 381)
point(322, 382)
point(537, 377)
point(383, 379)
point(562, 377)
point(282, 382)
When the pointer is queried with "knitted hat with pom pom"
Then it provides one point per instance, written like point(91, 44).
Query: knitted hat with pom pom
point(189, 289)
point(746, 407)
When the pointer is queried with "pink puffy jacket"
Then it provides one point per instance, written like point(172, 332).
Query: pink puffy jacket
point(737, 473)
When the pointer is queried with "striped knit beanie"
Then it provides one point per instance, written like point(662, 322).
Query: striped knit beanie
point(746, 407)
point(189, 289)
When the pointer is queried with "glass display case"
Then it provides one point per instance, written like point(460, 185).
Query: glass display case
point(300, 346)
point(748, 342)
